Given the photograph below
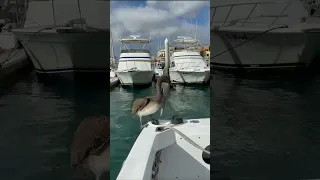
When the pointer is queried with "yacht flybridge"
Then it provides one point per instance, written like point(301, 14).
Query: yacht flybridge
point(134, 66)
point(176, 149)
point(187, 66)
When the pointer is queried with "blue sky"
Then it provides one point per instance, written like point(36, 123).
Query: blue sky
point(160, 19)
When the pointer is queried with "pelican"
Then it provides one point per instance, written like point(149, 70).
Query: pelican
point(90, 148)
point(150, 105)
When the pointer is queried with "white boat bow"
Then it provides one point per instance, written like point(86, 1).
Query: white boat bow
point(170, 151)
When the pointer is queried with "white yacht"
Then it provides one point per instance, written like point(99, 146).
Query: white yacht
point(69, 36)
point(12, 55)
point(134, 67)
point(177, 149)
point(112, 73)
point(187, 66)
point(262, 34)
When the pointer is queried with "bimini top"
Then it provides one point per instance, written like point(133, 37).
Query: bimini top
point(135, 39)
point(185, 40)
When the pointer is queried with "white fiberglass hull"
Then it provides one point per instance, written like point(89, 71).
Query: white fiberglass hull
point(130, 78)
point(57, 52)
point(279, 49)
point(189, 77)
point(170, 151)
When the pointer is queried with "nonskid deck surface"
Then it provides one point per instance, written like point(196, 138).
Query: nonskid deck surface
point(164, 152)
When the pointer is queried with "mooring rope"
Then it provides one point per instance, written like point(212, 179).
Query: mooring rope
point(185, 137)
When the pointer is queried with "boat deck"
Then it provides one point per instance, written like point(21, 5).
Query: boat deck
point(163, 154)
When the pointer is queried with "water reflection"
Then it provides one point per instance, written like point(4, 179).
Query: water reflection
point(262, 126)
point(37, 124)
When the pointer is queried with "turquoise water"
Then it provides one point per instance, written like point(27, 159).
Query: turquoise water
point(37, 123)
point(184, 101)
point(265, 127)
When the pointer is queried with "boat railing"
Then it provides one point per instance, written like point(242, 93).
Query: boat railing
point(190, 48)
point(244, 21)
point(135, 51)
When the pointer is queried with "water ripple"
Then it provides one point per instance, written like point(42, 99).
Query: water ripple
point(263, 125)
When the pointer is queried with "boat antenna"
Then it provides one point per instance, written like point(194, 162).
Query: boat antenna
point(80, 14)
point(195, 33)
point(53, 13)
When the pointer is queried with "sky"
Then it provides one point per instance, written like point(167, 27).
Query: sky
point(159, 20)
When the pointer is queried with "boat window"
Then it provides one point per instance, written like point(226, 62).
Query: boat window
point(206, 156)
point(134, 50)
point(172, 64)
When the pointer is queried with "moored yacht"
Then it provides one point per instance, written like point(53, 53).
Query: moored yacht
point(134, 67)
point(263, 35)
point(187, 66)
point(13, 57)
point(64, 45)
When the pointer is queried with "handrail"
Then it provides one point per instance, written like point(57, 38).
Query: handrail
point(251, 3)
point(255, 4)
point(135, 51)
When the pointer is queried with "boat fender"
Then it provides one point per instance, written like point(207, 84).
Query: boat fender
point(205, 155)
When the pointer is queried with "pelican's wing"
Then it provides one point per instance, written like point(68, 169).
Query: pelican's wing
point(92, 135)
point(139, 104)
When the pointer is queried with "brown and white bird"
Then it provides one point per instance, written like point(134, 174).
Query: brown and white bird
point(90, 148)
point(150, 105)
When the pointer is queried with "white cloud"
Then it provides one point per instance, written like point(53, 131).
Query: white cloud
point(166, 19)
